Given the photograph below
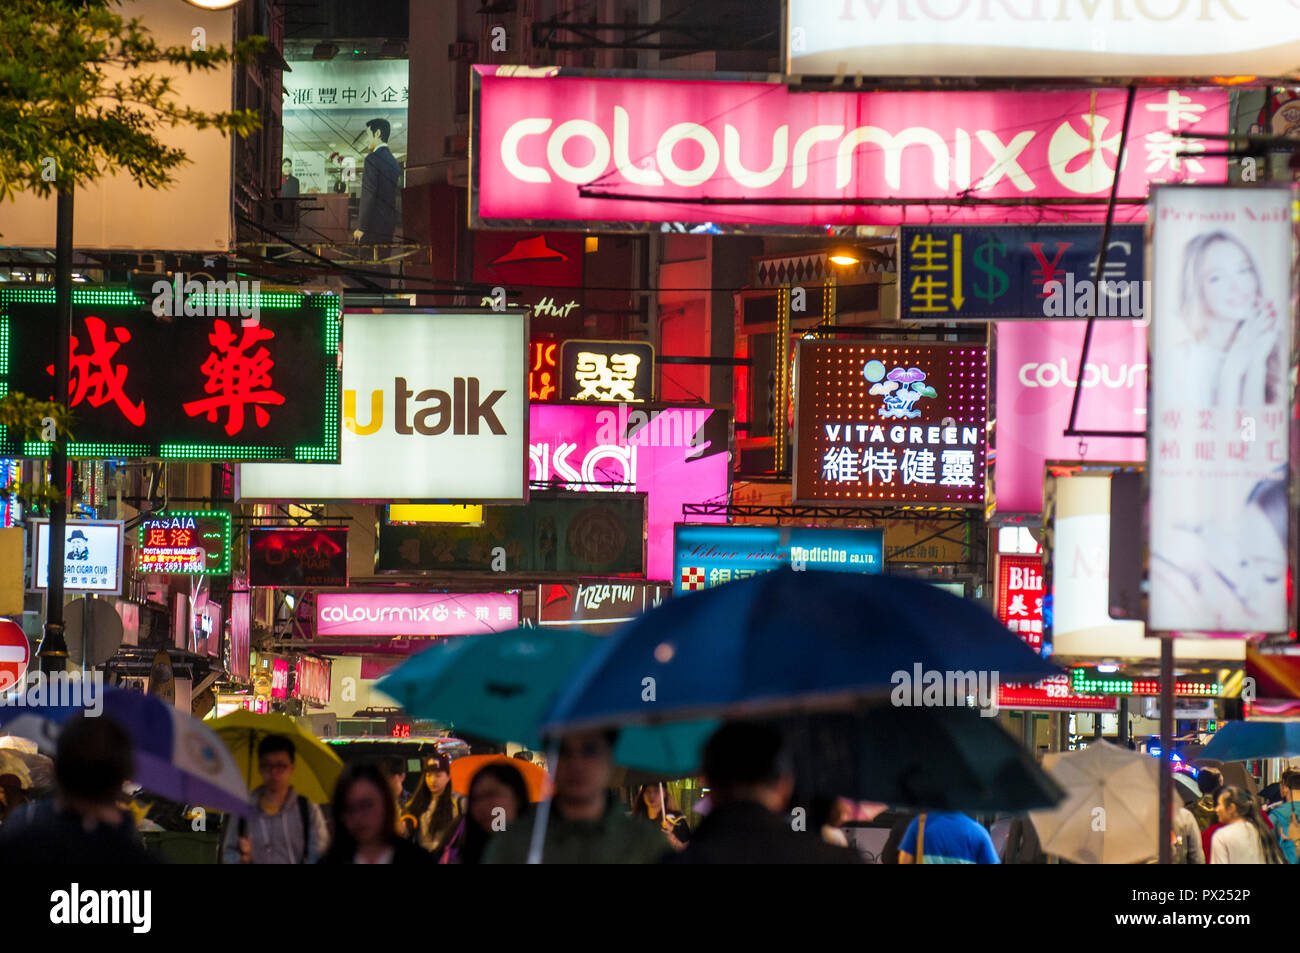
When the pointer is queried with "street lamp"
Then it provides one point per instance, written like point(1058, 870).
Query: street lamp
point(213, 4)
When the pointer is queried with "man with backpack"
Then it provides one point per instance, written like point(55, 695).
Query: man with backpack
point(283, 828)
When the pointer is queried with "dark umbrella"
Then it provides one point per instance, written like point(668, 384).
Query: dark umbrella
point(789, 641)
point(1248, 740)
point(944, 759)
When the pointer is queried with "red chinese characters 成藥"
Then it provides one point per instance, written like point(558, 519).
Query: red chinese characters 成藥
point(236, 378)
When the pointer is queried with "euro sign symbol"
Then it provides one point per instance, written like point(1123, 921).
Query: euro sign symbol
point(997, 278)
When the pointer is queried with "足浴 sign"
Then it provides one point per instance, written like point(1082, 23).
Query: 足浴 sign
point(184, 542)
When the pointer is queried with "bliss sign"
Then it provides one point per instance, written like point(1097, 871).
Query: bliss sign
point(592, 149)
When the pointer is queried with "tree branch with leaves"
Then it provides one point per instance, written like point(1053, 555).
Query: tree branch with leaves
point(84, 93)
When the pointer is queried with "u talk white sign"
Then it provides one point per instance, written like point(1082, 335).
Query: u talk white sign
point(435, 407)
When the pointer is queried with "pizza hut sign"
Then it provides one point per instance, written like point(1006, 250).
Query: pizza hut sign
point(587, 148)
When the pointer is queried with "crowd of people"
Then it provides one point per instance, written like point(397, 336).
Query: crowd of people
point(747, 768)
point(1229, 825)
point(370, 821)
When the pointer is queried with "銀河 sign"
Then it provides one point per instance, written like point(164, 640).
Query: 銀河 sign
point(706, 556)
point(1121, 38)
point(208, 386)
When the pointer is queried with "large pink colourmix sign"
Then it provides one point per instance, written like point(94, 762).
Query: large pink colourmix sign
point(1037, 374)
point(585, 148)
point(675, 455)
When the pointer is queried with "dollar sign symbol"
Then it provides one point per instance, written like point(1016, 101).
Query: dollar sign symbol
point(998, 281)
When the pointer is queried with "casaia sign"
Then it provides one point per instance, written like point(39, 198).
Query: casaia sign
point(1093, 38)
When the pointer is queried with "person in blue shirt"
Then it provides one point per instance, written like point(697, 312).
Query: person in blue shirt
point(946, 837)
point(1286, 816)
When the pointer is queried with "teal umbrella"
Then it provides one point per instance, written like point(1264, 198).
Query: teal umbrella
point(497, 687)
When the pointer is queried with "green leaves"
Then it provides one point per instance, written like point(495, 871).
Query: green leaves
point(85, 93)
point(31, 419)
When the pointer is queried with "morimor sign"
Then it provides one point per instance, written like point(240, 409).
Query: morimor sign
point(635, 151)
point(1092, 38)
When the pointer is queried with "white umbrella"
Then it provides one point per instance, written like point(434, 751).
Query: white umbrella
point(12, 764)
point(1111, 810)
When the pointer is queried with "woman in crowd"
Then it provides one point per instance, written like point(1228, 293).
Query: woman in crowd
point(1244, 838)
point(498, 796)
point(650, 803)
point(365, 821)
point(433, 806)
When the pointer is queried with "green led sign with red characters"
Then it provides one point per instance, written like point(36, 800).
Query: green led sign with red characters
point(234, 376)
point(1084, 682)
point(188, 542)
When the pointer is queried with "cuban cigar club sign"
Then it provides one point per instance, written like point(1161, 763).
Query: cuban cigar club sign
point(434, 408)
point(1022, 272)
point(92, 555)
point(615, 151)
point(1108, 38)
point(247, 377)
point(893, 423)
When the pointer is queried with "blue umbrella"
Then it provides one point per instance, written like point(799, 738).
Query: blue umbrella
point(1247, 740)
point(497, 686)
point(176, 756)
point(789, 641)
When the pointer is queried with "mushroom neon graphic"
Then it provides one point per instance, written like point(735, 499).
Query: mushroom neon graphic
point(901, 387)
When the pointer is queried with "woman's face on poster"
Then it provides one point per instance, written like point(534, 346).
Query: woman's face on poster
point(1261, 565)
point(1229, 284)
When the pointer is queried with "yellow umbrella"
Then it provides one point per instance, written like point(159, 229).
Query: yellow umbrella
point(316, 767)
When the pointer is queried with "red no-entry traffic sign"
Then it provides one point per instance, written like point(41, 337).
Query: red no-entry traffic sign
point(15, 653)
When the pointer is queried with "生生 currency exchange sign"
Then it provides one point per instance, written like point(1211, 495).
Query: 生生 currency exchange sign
point(1026, 272)
point(631, 150)
point(209, 386)
point(895, 423)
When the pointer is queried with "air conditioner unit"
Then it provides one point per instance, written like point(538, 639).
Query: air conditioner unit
point(462, 50)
